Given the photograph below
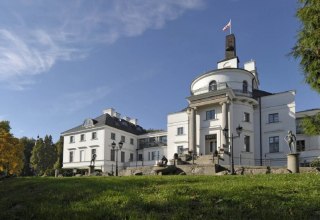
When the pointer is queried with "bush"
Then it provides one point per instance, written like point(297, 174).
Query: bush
point(315, 163)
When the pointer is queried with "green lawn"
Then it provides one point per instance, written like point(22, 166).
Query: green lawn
point(284, 196)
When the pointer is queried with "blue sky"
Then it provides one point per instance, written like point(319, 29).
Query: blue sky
point(64, 61)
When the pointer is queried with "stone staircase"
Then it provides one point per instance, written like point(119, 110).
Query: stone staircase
point(205, 159)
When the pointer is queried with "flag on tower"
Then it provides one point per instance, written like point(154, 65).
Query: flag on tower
point(227, 26)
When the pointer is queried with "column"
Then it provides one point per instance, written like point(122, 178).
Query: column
point(224, 123)
point(192, 130)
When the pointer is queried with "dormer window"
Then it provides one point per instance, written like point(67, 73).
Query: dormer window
point(213, 86)
point(245, 87)
point(88, 123)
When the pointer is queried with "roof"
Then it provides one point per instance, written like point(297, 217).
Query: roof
point(111, 121)
point(256, 93)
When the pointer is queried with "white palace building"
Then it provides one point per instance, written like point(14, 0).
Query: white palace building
point(221, 101)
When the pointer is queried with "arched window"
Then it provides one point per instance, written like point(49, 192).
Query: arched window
point(213, 86)
point(245, 87)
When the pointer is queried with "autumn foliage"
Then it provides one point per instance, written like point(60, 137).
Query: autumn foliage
point(11, 151)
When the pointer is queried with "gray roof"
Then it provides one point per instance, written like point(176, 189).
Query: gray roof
point(111, 121)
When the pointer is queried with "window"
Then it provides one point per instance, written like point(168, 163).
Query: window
point(301, 145)
point(93, 151)
point(299, 127)
point(123, 156)
point(131, 157)
point(149, 156)
point(112, 155)
point(71, 139)
point(273, 118)
point(245, 87)
point(81, 155)
point(163, 139)
point(113, 136)
point(180, 131)
point(246, 117)
point(131, 141)
point(82, 137)
point(210, 114)
point(247, 143)
point(71, 156)
point(153, 155)
point(180, 149)
point(123, 139)
point(140, 157)
point(213, 86)
point(94, 135)
point(274, 144)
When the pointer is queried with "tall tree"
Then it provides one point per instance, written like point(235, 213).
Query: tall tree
point(11, 151)
point(43, 156)
point(307, 49)
point(59, 149)
point(28, 145)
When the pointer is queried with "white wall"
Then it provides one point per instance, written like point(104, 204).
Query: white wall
point(284, 105)
point(176, 120)
point(86, 145)
point(233, 77)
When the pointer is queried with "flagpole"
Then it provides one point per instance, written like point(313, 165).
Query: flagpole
point(230, 26)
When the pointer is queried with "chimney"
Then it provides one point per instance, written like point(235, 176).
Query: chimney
point(250, 66)
point(134, 121)
point(118, 115)
point(109, 111)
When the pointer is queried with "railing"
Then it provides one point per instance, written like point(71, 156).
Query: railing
point(221, 86)
point(151, 144)
point(240, 92)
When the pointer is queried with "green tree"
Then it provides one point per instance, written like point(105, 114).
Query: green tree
point(307, 47)
point(28, 145)
point(43, 156)
point(59, 149)
point(11, 151)
point(307, 50)
point(311, 125)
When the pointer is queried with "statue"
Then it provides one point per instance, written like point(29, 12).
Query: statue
point(164, 160)
point(93, 159)
point(291, 140)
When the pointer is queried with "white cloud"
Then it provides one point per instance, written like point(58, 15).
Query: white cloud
point(21, 57)
point(46, 32)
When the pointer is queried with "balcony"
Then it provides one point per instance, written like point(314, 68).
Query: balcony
point(219, 87)
point(151, 144)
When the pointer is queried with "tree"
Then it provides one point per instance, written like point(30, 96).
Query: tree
point(311, 125)
point(59, 149)
point(307, 49)
point(28, 145)
point(43, 156)
point(11, 151)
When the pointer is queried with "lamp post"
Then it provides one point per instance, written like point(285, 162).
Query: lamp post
point(226, 134)
point(114, 148)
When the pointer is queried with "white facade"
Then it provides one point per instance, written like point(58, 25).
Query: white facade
point(221, 100)
point(97, 136)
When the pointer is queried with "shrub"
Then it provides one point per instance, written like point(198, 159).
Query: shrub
point(315, 163)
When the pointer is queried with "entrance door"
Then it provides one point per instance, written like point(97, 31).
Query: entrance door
point(211, 144)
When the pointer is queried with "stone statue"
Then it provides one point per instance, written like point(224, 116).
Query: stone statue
point(93, 160)
point(291, 140)
point(164, 160)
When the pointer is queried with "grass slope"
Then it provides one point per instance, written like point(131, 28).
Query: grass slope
point(162, 197)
